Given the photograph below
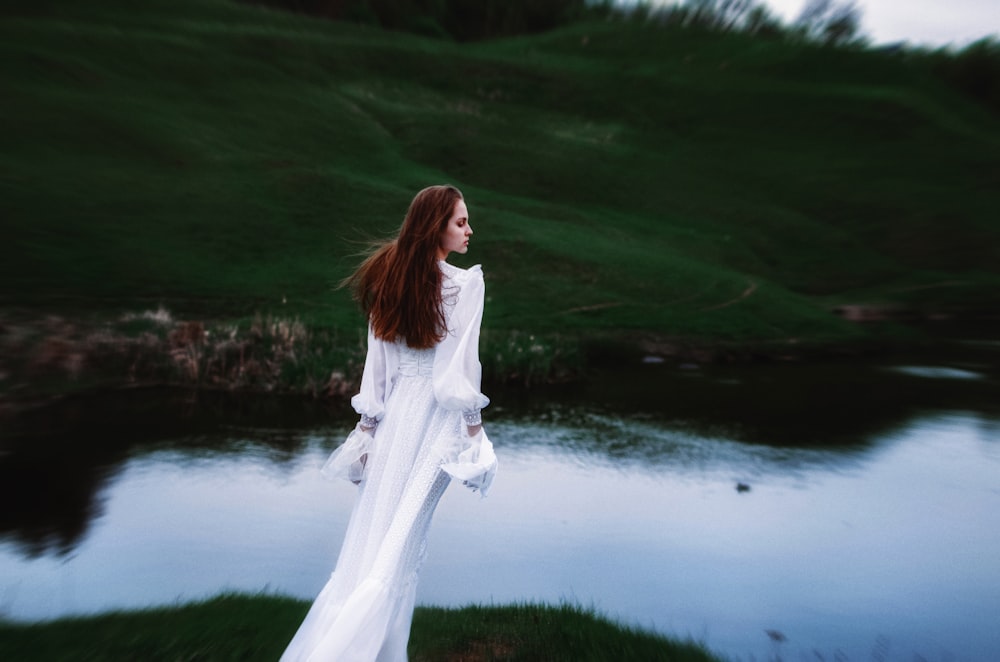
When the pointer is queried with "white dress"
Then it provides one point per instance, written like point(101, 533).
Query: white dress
point(419, 398)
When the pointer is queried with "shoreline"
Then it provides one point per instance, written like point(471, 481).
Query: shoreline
point(44, 359)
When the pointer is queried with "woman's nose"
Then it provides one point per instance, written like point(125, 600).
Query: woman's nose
point(468, 229)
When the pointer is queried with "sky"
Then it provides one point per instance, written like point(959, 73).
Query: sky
point(920, 22)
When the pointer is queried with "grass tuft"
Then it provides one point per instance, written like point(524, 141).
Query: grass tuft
point(242, 627)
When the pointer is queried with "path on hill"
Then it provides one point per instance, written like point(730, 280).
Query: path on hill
point(747, 292)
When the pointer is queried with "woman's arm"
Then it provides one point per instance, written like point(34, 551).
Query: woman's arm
point(457, 370)
point(370, 400)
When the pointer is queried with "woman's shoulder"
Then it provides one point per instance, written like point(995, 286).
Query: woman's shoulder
point(460, 275)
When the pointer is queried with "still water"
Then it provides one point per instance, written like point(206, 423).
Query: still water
point(866, 525)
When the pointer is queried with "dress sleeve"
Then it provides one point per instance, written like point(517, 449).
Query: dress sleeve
point(350, 458)
point(457, 375)
point(370, 400)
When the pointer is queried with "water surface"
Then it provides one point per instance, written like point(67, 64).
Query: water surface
point(867, 524)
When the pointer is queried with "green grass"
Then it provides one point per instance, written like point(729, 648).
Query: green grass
point(235, 627)
point(225, 161)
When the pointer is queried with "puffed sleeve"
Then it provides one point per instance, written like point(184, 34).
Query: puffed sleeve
point(349, 459)
point(457, 375)
point(370, 400)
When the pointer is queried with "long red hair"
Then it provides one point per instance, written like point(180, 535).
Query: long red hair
point(398, 286)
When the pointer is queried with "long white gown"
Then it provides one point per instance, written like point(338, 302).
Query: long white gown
point(420, 398)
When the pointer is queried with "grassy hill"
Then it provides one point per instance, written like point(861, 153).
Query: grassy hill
point(223, 160)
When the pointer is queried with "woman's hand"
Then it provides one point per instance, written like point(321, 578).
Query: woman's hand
point(368, 424)
point(473, 421)
point(364, 462)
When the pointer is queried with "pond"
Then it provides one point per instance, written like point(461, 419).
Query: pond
point(840, 510)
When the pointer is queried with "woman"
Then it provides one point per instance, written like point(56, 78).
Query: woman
point(420, 426)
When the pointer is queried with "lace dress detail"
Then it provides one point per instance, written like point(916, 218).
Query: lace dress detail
point(414, 362)
point(365, 610)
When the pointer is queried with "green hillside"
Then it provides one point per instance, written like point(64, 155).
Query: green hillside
point(224, 160)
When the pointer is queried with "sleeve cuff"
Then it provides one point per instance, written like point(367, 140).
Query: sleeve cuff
point(348, 460)
point(475, 466)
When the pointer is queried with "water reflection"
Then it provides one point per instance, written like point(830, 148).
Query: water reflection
point(58, 459)
point(937, 372)
point(870, 518)
point(817, 405)
point(896, 539)
point(49, 500)
point(55, 461)
point(644, 444)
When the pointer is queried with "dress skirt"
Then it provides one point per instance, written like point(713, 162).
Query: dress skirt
point(365, 610)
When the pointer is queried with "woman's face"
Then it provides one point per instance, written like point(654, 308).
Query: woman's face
point(455, 237)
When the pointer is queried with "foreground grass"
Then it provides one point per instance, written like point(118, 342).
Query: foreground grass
point(259, 627)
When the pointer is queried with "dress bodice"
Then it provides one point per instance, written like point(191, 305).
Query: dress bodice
point(415, 362)
point(452, 364)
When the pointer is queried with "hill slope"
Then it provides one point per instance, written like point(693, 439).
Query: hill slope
point(222, 159)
